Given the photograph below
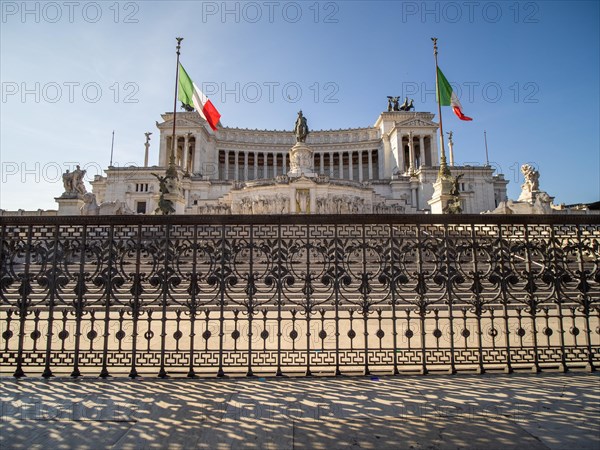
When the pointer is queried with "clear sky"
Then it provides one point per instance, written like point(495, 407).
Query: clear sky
point(72, 72)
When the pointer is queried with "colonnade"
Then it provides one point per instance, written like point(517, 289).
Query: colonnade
point(240, 165)
point(425, 156)
point(186, 148)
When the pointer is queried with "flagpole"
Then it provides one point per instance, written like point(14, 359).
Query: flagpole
point(171, 171)
point(112, 146)
point(444, 170)
point(487, 158)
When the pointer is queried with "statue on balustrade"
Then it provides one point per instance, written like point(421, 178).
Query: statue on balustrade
point(393, 104)
point(73, 183)
point(165, 205)
point(406, 106)
point(301, 128)
point(532, 178)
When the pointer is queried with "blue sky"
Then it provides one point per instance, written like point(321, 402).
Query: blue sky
point(527, 72)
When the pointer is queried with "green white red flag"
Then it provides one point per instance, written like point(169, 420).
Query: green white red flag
point(190, 95)
point(448, 97)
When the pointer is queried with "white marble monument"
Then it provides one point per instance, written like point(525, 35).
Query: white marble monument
point(388, 168)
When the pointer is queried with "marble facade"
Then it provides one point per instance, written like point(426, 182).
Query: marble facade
point(390, 167)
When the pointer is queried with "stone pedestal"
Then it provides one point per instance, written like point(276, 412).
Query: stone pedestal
point(69, 206)
point(441, 196)
point(178, 202)
point(301, 161)
point(536, 202)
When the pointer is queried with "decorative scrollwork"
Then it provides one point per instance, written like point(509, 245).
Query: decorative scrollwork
point(288, 294)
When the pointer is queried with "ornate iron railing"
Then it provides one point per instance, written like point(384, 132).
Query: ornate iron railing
point(226, 295)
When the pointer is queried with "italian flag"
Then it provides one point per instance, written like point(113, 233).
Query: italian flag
point(448, 97)
point(192, 96)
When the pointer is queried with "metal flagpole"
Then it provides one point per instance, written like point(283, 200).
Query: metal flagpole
point(444, 170)
point(171, 171)
point(487, 159)
point(112, 147)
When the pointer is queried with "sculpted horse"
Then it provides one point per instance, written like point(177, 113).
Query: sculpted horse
point(404, 105)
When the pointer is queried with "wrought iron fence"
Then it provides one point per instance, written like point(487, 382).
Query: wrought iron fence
point(228, 295)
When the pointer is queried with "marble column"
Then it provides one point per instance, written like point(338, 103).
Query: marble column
point(284, 163)
point(321, 162)
point(255, 165)
point(184, 157)
point(424, 161)
point(435, 154)
point(170, 149)
point(341, 165)
point(198, 157)
point(265, 167)
point(411, 155)
point(350, 166)
point(245, 166)
point(237, 166)
point(360, 166)
point(385, 160)
point(164, 151)
point(370, 164)
point(331, 168)
point(226, 174)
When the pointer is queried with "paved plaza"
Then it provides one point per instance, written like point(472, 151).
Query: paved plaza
point(534, 411)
